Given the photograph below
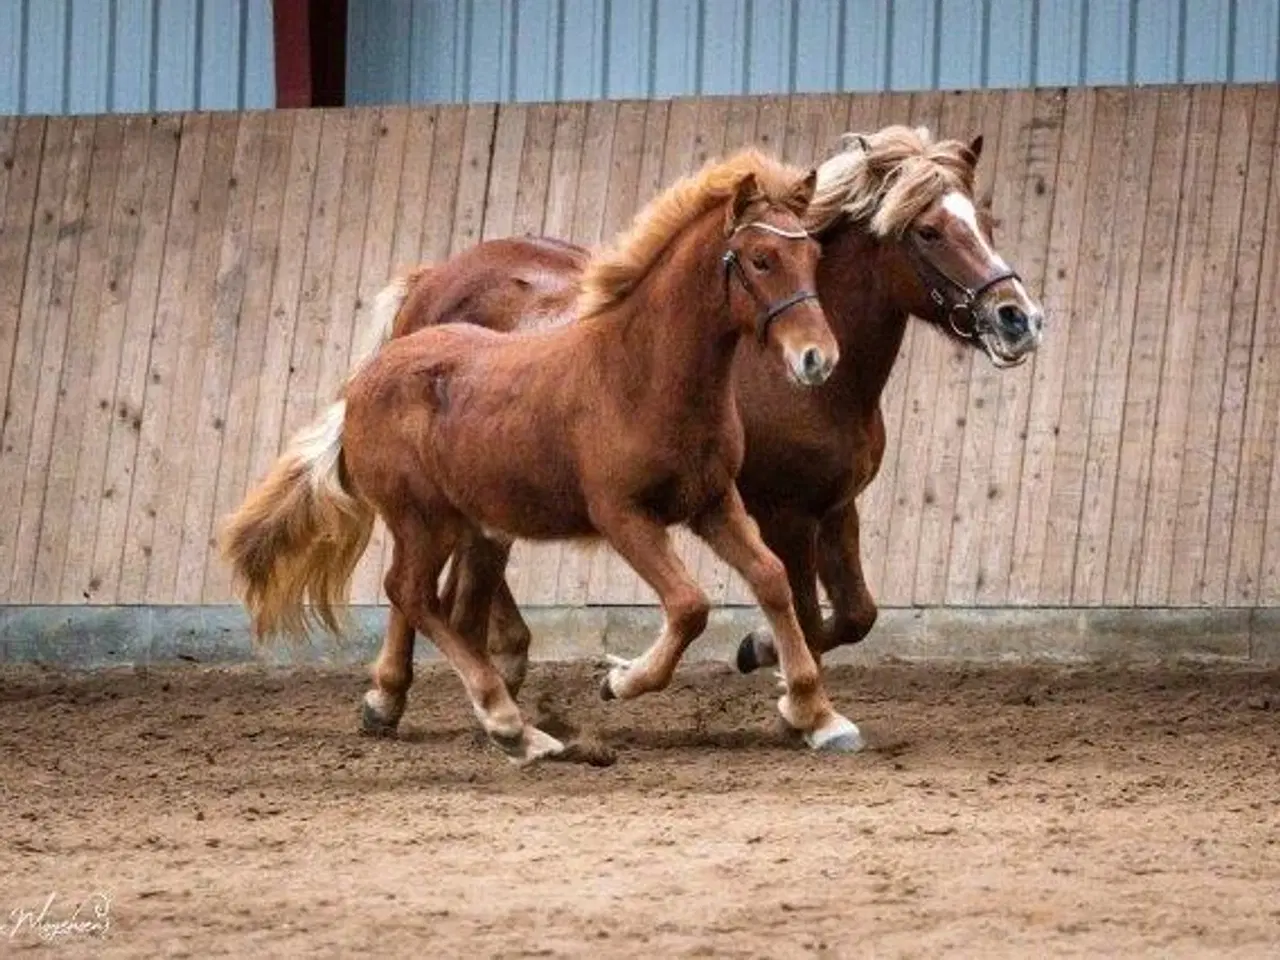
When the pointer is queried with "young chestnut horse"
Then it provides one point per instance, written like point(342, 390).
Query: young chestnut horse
point(896, 217)
point(612, 427)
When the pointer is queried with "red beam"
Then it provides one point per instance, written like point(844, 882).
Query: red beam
point(311, 52)
point(293, 52)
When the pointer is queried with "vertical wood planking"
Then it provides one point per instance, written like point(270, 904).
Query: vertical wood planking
point(999, 172)
point(1040, 117)
point(1043, 426)
point(78, 584)
point(1096, 235)
point(179, 454)
point(1205, 416)
point(1251, 522)
point(253, 330)
point(1138, 417)
point(534, 179)
point(939, 511)
point(504, 180)
point(29, 188)
point(303, 381)
point(22, 155)
point(162, 370)
point(207, 431)
point(286, 283)
point(68, 424)
point(1158, 487)
point(344, 284)
point(1157, 554)
point(159, 198)
point(473, 177)
point(1234, 442)
point(53, 322)
point(1118, 303)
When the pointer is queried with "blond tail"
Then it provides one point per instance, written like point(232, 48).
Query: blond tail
point(298, 536)
point(382, 318)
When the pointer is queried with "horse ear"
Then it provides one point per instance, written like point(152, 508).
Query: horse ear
point(744, 193)
point(975, 147)
point(803, 192)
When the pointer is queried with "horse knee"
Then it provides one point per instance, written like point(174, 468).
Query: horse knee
point(687, 615)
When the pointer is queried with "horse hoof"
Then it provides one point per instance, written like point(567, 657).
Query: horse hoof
point(839, 735)
point(755, 651)
point(528, 746)
point(373, 724)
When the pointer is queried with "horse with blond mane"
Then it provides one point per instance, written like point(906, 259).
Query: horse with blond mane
point(613, 427)
point(901, 235)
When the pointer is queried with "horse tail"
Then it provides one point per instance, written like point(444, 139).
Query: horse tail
point(382, 318)
point(297, 537)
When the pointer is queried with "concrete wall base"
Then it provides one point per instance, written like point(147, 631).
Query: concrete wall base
point(92, 637)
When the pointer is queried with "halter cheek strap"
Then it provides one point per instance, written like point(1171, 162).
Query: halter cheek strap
point(962, 299)
point(733, 266)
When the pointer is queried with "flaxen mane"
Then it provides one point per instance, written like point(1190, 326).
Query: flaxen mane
point(884, 180)
point(614, 272)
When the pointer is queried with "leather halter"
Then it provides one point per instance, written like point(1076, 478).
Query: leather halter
point(732, 265)
point(959, 299)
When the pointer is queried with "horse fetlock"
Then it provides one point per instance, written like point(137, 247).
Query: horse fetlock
point(628, 679)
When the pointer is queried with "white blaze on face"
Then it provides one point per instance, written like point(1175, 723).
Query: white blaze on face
point(961, 207)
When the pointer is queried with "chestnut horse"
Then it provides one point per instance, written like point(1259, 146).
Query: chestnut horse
point(901, 235)
point(613, 427)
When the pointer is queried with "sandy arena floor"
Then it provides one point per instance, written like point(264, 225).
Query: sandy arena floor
point(998, 813)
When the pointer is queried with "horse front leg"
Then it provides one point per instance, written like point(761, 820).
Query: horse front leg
point(735, 538)
point(646, 546)
point(792, 536)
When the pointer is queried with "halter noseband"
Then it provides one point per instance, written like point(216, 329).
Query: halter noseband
point(962, 299)
point(732, 265)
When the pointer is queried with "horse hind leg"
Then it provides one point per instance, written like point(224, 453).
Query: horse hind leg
point(392, 672)
point(509, 639)
point(412, 584)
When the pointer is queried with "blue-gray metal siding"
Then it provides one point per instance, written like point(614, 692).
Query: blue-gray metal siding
point(126, 56)
point(460, 50)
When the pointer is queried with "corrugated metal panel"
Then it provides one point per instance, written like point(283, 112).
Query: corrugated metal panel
point(461, 50)
point(125, 56)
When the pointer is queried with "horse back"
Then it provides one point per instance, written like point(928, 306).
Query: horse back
point(514, 283)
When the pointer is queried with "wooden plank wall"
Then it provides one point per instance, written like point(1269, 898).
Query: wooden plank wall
point(178, 294)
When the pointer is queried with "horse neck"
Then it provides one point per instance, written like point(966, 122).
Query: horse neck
point(855, 281)
point(674, 331)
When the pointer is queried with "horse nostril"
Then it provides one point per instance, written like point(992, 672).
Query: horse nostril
point(1013, 319)
point(813, 362)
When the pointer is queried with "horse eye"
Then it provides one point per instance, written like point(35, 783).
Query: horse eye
point(929, 234)
point(760, 261)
